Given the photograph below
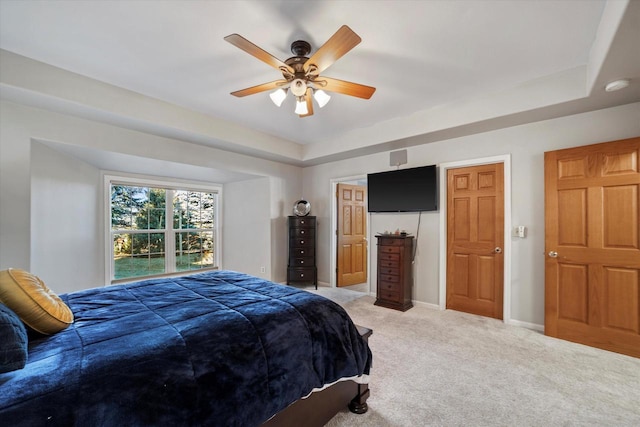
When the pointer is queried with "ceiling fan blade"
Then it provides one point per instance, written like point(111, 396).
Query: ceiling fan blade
point(259, 88)
point(347, 88)
point(340, 43)
point(309, 98)
point(264, 56)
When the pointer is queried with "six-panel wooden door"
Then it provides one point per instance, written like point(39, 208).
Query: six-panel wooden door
point(475, 237)
point(592, 274)
point(352, 240)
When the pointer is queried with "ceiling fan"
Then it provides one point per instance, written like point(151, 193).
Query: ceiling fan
point(301, 74)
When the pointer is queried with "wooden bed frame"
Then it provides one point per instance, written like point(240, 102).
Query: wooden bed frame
point(317, 409)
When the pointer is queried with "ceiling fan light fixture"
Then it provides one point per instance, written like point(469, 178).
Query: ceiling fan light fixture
point(301, 106)
point(278, 96)
point(321, 97)
point(298, 87)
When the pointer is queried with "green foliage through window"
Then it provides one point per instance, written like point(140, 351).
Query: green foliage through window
point(141, 239)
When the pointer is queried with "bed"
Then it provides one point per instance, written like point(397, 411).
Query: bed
point(219, 348)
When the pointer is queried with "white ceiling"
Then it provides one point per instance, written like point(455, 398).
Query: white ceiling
point(426, 59)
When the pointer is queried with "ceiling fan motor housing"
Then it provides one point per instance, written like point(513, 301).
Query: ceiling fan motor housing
point(300, 48)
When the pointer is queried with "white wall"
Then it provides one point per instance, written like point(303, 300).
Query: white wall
point(66, 213)
point(15, 190)
point(283, 195)
point(526, 144)
point(247, 227)
point(21, 126)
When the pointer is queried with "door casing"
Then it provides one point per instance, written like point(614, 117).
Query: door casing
point(442, 176)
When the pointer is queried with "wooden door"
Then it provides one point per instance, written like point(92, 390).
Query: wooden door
point(475, 238)
point(352, 239)
point(592, 245)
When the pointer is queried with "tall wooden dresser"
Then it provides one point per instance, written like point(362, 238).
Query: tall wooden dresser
point(302, 269)
point(395, 277)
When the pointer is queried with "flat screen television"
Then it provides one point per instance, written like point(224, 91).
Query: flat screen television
point(403, 190)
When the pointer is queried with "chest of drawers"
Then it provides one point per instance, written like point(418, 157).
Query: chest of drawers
point(395, 278)
point(302, 269)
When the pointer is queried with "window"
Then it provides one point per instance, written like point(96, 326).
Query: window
point(193, 222)
point(144, 243)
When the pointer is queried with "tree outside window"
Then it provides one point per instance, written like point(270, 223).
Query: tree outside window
point(144, 244)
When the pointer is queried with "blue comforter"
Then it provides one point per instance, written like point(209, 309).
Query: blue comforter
point(218, 348)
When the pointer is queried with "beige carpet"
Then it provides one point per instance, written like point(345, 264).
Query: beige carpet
point(446, 368)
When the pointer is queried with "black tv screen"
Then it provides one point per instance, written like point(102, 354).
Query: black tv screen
point(403, 190)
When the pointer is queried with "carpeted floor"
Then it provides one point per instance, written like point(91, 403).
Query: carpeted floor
point(447, 368)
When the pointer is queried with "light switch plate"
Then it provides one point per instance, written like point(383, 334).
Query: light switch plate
point(520, 231)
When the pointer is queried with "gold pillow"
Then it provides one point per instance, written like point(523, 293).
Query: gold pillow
point(36, 305)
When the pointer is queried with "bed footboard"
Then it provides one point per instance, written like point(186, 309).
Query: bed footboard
point(317, 409)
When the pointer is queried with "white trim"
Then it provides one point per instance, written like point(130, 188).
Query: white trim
point(174, 274)
point(109, 178)
point(333, 255)
point(528, 325)
point(106, 229)
point(163, 182)
point(428, 305)
point(443, 167)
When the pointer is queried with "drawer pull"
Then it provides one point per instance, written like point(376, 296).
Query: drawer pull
point(301, 231)
point(301, 274)
point(301, 252)
point(301, 262)
point(302, 242)
point(302, 222)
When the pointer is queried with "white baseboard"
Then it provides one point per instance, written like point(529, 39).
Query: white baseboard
point(320, 284)
point(427, 304)
point(424, 304)
point(528, 325)
point(519, 323)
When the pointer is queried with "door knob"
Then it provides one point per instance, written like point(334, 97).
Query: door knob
point(553, 254)
point(497, 250)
